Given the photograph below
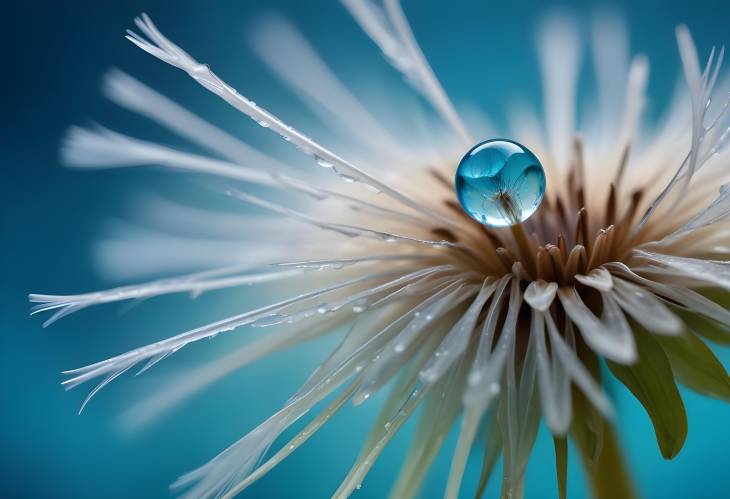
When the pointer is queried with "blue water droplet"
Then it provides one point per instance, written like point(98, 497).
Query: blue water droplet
point(500, 183)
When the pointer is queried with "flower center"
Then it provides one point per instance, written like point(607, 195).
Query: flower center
point(501, 185)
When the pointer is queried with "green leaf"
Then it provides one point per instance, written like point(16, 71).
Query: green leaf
point(561, 465)
point(652, 382)
point(707, 328)
point(695, 365)
point(718, 295)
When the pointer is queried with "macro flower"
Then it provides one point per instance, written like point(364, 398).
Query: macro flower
point(489, 329)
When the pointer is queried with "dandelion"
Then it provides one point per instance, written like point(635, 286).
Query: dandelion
point(483, 326)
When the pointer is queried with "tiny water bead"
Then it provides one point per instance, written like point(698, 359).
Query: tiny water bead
point(500, 183)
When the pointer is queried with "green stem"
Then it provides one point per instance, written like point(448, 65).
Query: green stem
point(609, 477)
point(600, 453)
point(598, 445)
point(561, 465)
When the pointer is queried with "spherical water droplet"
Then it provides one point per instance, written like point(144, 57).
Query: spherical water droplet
point(500, 183)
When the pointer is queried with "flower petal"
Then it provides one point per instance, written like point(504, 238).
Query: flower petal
point(441, 408)
point(709, 271)
point(552, 379)
point(456, 341)
point(598, 278)
point(399, 348)
point(389, 29)
point(560, 52)
point(610, 337)
point(578, 372)
point(646, 309)
point(686, 297)
point(540, 294)
point(717, 211)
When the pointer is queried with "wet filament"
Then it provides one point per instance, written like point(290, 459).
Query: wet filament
point(508, 206)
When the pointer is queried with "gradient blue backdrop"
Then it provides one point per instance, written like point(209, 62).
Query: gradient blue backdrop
point(54, 55)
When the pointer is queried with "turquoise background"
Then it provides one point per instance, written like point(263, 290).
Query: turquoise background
point(54, 54)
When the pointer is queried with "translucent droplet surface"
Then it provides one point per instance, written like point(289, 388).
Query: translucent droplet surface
point(500, 183)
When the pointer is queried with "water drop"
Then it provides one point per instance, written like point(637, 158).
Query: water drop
point(360, 305)
point(323, 162)
point(269, 320)
point(500, 183)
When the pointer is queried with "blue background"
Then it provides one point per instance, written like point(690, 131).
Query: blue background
point(54, 54)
